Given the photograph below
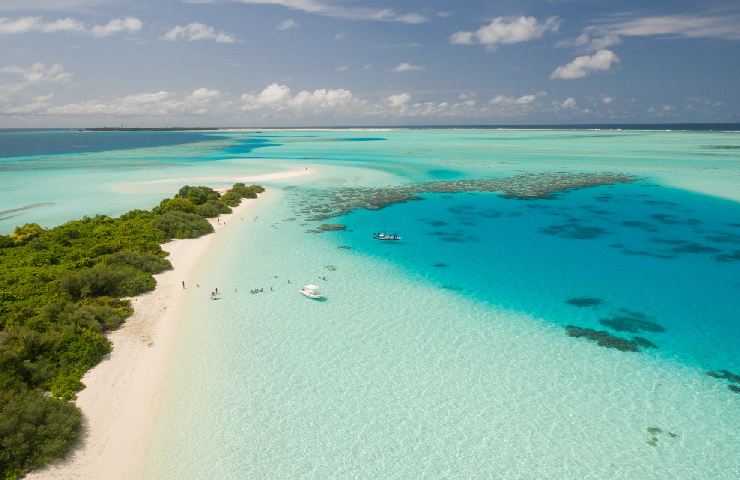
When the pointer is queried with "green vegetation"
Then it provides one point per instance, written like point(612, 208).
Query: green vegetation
point(60, 290)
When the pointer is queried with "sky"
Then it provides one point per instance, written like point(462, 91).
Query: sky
point(252, 63)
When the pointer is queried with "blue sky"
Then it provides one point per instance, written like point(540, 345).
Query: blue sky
point(367, 62)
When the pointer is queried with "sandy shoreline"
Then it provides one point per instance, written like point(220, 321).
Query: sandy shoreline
point(118, 400)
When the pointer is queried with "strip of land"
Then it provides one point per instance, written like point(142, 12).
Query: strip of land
point(120, 395)
point(268, 177)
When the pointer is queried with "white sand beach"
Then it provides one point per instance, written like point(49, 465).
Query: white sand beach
point(120, 393)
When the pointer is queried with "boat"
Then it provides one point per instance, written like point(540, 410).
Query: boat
point(383, 236)
point(311, 291)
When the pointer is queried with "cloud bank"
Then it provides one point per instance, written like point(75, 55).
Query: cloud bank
point(21, 25)
point(584, 65)
point(196, 31)
point(502, 31)
point(337, 10)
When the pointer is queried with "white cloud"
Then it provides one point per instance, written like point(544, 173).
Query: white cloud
point(117, 25)
point(407, 67)
point(343, 68)
point(273, 94)
point(339, 36)
point(21, 96)
point(569, 103)
point(69, 25)
point(287, 24)
point(38, 73)
point(719, 26)
point(277, 98)
point(35, 105)
point(196, 31)
point(321, 98)
point(606, 100)
point(591, 41)
point(320, 7)
point(502, 31)
point(586, 64)
point(143, 104)
point(507, 101)
point(399, 100)
point(49, 5)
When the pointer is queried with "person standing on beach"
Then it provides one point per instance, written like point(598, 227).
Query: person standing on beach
point(183, 284)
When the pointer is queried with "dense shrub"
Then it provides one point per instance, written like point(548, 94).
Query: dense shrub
point(197, 195)
point(147, 262)
point(108, 281)
point(182, 225)
point(247, 191)
point(212, 208)
point(176, 204)
point(34, 429)
point(26, 233)
point(231, 198)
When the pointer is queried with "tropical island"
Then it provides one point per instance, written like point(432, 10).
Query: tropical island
point(61, 290)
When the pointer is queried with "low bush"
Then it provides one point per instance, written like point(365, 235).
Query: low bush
point(212, 208)
point(182, 225)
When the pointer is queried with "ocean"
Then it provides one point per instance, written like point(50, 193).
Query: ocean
point(560, 337)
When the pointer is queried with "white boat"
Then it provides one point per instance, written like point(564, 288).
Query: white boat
point(311, 291)
point(383, 236)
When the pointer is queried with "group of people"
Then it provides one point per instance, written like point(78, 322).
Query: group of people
point(257, 290)
point(214, 294)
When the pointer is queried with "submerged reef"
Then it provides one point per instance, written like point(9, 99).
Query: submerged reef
point(632, 322)
point(655, 431)
point(732, 378)
point(583, 302)
point(329, 227)
point(325, 204)
point(574, 231)
point(733, 256)
point(603, 338)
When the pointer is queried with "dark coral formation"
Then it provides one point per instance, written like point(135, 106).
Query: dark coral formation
point(329, 227)
point(583, 302)
point(573, 230)
point(602, 338)
point(732, 378)
point(733, 256)
point(643, 342)
point(667, 219)
point(335, 202)
point(632, 322)
point(724, 375)
point(440, 265)
point(654, 432)
point(648, 227)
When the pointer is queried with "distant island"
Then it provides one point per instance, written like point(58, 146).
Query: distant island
point(146, 129)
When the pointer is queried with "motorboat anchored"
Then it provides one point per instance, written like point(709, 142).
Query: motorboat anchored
point(311, 291)
point(383, 236)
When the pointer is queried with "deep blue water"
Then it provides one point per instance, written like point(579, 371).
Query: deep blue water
point(644, 252)
point(16, 143)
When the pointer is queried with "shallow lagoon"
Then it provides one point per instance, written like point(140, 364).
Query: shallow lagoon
point(444, 355)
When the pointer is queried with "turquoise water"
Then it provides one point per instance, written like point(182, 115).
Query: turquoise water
point(443, 355)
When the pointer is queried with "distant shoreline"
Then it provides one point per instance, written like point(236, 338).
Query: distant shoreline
point(687, 126)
